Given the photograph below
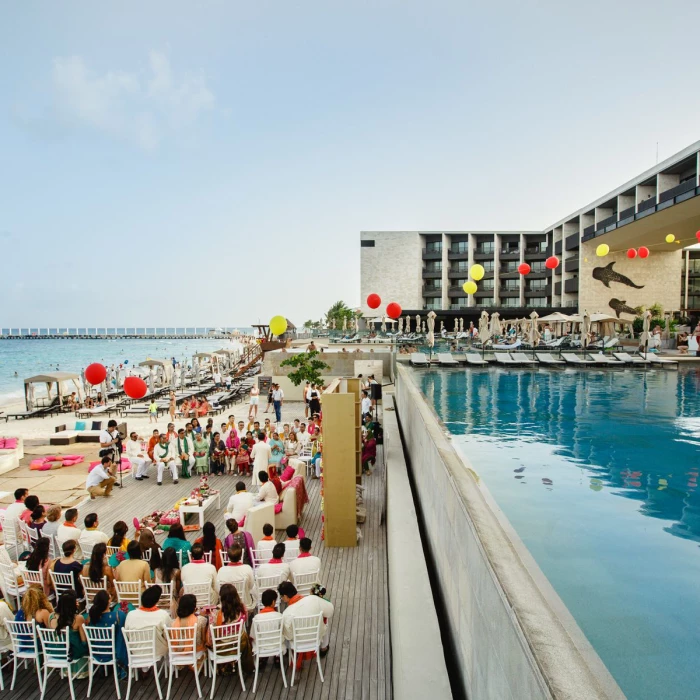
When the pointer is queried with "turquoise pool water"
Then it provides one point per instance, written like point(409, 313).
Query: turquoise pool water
point(597, 471)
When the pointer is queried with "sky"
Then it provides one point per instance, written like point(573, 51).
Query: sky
point(212, 163)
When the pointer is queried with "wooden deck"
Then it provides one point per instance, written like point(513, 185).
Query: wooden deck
point(358, 664)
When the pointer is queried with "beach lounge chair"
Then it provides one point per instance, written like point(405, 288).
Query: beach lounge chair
point(522, 358)
point(546, 358)
point(513, 346)
point(446, 360)
point(656, 360)
point(419, 359)
point(476, 360)
point(572, 359)
point(604, 359)
point(503, 358)
point(629, 359)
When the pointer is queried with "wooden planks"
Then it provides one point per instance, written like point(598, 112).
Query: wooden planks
point(358, 664)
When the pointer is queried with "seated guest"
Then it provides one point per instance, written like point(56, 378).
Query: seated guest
point(30, 503)
point(53, 521)
point(186, 617)
point(238, 572)
point(100, 615)
point(97, 569)
point(240, 503)
point(69, 529)
point(268, 612)
point(267, 543)
point(292, 541)
point(305, 563)
point(243, 460)
point(275, 566)
point(235, 538)
point(211, 544)
point(134, 568)
point(178, 541)
point(66, 618)
point(217, 455)
point(200, 451)
point(152, 442)
point(301, 606)
point(119, 538)
point(169, 573)
point(39, 560)
point(150, 549)
point(68, 564)
point(91, 535)
point(38, 519)
point(232, 610)
point(35, 606)
point(150, 615)
point(267, 492)
point(369, 452)
point(199, 570)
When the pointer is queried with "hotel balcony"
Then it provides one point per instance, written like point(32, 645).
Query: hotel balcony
point(510, 254)
point(504, 292)
point(458, 273)
point(507, 274)
point(457, 254)
point(557, 287)
point(557, 248)
point(571, 265)
point(432, 292)
point(432, 274)
point(572, 242)
point(458, 307)
point(456, 292)
point(429, 254)
point(541, 292)
point(571, 286)
point(536, 252)
point(484, 253)
point(481, 292)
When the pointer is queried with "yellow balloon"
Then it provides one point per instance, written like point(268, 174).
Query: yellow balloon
point(469, 287)
point(670, 238)
point(477, 272)
point(278, 325)
point(602, 250)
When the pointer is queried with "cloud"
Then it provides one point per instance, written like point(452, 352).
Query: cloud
point(140, 108)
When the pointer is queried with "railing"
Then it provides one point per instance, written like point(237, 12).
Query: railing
point(485, 251)
point(538, 250)
point(646, 204)
point(686, 186)
point(626, 213)
point(510, 251)
point(588, 230)
point(606, 222)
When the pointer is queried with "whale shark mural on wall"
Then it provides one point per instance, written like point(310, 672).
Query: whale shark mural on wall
point(607, 275)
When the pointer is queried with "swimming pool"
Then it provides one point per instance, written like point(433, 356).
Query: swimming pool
point(597, 472)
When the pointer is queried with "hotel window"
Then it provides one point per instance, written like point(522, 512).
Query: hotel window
point(366, 244)
point(510, 303)
point(488, 265)
point(461, 266)
point(537, 302)
point(460, 247)
point(433, 284)
point(460, 282)
point(485, 247)
point(433, 247)
point(538, 266)
point(461, 303)
point(488, 285)
point(434, 305)
point(536, 285)
point(510, 285)
point(486, 301)
point(433, 266)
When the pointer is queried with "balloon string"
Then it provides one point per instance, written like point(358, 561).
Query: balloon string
point(651, 245)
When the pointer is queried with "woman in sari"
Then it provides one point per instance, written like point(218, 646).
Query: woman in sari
point(232, 610)
point(277, 447)
point(187, 617)
point(233, 442)
point(291, 446)
point(39, 561)
point(211, 543)
point(217, 455)
point(178, 541)
point(66, 618)
point(101, 616)
point(97, 569)
point(200, 452)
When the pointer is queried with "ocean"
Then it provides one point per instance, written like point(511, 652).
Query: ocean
point(20, 359)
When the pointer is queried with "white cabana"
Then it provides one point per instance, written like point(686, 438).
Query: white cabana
point(162, 370)
point(58, 386)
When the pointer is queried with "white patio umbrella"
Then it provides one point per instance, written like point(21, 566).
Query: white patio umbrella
point(496, 329)
point(195, 370)
point(431, 329)
point(645, 337)
point(442, 326)
point(417, 323)
point(183, 378)
point(400, 324)
point(461, 325)
point(345, 323)
point(456, 330)
point(86, 387)
point(533, 335)
point(357, 324)
point(585, 328)
point(117, 373)
point(484, 332)
point(151, 380)
point(29, 397)
point(383, 325)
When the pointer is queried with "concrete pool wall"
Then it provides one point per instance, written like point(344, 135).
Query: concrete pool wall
point(510, 634)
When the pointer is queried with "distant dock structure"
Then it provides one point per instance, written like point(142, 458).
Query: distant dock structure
point(120, 333)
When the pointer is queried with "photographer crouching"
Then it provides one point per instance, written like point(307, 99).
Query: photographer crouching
point(102, 478)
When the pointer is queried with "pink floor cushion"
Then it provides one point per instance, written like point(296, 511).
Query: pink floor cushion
point(8, 443)
point(278, 508)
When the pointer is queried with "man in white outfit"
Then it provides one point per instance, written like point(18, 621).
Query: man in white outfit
point(260, 456)
point(239, 504)
point(185, 449)
point(164, 457)
point(138, 457)
point(305, 563)
point(301, 606)
point(236, 572)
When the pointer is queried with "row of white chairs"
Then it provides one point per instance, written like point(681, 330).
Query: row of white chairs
point(51, 649)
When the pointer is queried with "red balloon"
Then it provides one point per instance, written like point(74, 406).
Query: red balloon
point(697, 235)
point(373, 301)
point(552, 263)
point(631, 253)
point(524, 268)
point(135, 387)
point(95, 373)
point(393, 310)
point(643, 252)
